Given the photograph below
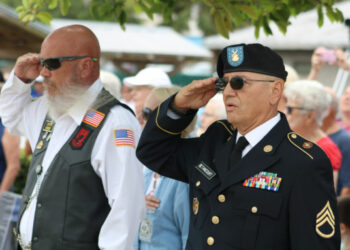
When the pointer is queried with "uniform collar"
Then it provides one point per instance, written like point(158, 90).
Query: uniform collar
point(78, 110)
point(256, 135)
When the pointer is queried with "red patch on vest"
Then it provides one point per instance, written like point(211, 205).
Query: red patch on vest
point(80, 138)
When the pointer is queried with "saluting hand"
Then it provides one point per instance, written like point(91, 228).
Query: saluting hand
point(28, 67)
point(196, 94)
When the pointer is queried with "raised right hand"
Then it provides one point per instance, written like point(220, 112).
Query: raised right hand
point(28, 67)
point(196, 94)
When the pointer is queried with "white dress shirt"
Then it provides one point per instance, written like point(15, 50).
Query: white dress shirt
point(258, 133)
point(118, 167)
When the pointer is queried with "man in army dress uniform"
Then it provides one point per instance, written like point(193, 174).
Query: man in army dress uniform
point(259, 186)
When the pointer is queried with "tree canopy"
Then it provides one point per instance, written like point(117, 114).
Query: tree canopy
point(227, 15)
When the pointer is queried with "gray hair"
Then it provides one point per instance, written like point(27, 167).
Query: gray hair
point(310, 95)
point(218, 101)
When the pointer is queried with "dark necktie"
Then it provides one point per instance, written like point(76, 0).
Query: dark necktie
point(236, 153)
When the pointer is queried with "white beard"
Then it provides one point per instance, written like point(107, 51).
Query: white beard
point(60, 104)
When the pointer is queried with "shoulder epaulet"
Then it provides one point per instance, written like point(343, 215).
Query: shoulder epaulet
point(300, 143)
point(227, 126)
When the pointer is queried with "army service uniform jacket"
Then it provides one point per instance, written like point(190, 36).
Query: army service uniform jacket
point(281, 196)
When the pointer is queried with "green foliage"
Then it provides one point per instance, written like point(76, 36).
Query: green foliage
point(226, 15)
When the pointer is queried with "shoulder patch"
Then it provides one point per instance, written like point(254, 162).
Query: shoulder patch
point(300, 143)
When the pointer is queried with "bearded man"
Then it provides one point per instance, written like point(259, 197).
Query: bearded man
point(80, 191)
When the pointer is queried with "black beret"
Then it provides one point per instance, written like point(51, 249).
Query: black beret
point(251, 58)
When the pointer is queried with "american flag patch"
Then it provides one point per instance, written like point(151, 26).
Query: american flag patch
point(124, 137)
point(93, 118)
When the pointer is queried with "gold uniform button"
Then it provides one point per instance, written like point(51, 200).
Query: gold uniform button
point(215, 220)
point(210, 241)
point(198, 183)
point(254, 210)
point(221, 198)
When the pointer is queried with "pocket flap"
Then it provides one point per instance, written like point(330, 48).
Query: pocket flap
point(258, 201)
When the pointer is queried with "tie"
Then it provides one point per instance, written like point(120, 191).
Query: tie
point(236, 154)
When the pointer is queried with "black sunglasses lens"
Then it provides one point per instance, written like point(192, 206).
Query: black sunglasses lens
point(236, 82)
point(51, 63)
point(289, 110)
point(146, 112)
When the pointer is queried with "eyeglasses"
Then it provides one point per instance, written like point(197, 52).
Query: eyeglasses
point(54, 63)
point(236, 82)
point(146, 113)
point(290, 109)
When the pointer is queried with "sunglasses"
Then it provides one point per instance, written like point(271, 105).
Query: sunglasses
point(289, 109)
point(146, 113)
point(54, 63)
point(236, 82)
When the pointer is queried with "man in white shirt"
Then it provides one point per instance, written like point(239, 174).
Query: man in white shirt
point(254, 184)
point(82, 188)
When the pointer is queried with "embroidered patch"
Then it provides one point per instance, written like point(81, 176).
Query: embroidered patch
point(205, 170)
point(80, 138)
point(195, 205)
point(235, 55)
point(325, 222)
point(93, 118)
point(146, 230)
point(124, 137)
point(264, 180)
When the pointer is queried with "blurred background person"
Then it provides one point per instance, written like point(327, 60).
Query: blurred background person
point(291, 77)
point(166, 222)
point(142, 84)
point(111, 83)
point(307, 105)
point(342, 139)
point(345, 110)
point(344, 219)
point(10, 163)
point(213, 111)
point(336, 57)
point(322, 55)
point(127, 97)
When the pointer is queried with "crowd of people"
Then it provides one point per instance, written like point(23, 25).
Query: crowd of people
point(132, 164)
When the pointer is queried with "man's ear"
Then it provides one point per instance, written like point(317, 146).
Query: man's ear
point(276, 91)
point(85, 68)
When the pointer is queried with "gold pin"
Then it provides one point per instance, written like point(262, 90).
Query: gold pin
point(307, 145)
point(268, 148)
point(40, 144)
point(294, 136)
